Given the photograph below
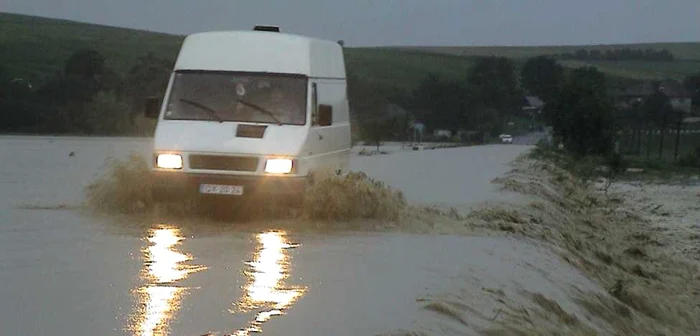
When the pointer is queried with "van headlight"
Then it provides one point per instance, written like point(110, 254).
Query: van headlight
point(279, 166)
point(169, 161)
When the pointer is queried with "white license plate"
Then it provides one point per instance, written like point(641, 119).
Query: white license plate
point(220, 189)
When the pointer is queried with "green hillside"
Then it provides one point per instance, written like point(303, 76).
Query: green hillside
point(33, 48)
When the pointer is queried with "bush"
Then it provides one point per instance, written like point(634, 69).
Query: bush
point(106, 114)
point(617, 164)
point(690, 160)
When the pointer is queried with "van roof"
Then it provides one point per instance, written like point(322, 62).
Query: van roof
point(261, 51)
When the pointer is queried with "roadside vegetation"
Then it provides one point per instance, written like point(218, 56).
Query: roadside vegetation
point(595, 132)
point(598, 224)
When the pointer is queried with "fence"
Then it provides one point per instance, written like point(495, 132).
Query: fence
point(652, 145)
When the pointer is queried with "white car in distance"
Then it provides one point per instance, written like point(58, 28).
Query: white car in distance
point(506, 138)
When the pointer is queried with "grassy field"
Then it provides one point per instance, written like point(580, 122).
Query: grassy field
point(34, 48)
point(687, 58)
point(403, 69)
point(642, 69)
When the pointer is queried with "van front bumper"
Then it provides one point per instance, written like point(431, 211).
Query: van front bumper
point(166, 185)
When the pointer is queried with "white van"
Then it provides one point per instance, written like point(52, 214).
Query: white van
point(250, 112)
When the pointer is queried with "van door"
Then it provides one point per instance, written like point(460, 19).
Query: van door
point(326, 141)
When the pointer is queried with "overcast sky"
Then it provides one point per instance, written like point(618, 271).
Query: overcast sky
point(399, 22)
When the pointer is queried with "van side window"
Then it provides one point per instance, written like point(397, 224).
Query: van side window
point(314, 104)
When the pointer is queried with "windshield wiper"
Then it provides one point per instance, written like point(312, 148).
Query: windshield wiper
point(266, 112)
point(203, 108)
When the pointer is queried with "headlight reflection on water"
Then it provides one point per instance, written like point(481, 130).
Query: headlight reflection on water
point(159, 298)
point(265, 289)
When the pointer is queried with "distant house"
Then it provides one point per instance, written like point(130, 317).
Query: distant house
point(680, 98)
point(22, 81)
point(636, 94)
point(532, 105)
point(691, 120)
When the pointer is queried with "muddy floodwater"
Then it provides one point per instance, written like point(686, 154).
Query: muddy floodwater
point(64, 272)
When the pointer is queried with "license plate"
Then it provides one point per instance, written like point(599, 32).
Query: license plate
point(220, 189)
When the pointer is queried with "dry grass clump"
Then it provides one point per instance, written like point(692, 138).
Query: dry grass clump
point(352, 196)
point(125, 187)
point(544, 317)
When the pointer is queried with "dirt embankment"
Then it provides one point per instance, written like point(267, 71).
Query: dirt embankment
point(645, 257)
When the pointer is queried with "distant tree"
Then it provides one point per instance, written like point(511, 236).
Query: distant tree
point(582, 114)
point(106, 114)
point(368, 103)
point(67, 94)
point(488, 121)
point(581, 54)
point(148, 77)
point(624, 54)
point(567, 56)
point(19, 111)
point(443, 103)
point(3, 84)
point(658, 111)
point(492, 83)
point(692, 85)
point(85, 63)
point(83, 76)
point(542, 76)
point(655, 106)
point(595, 55)
point(3, 76)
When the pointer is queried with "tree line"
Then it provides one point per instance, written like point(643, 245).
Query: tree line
point(87, 97)
point(481, 102)
point(622, 54)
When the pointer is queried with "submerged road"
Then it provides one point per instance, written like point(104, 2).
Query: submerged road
point(68, 273)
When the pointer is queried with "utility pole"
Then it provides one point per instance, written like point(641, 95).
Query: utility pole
point(663, 131)
point(679, 126)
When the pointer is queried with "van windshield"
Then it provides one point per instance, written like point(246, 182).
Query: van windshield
point(243, 97)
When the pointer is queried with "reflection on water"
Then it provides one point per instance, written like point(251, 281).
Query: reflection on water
point(265, 289)
point(160, 298)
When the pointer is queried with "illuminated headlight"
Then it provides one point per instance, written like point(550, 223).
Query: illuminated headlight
point(278, 166)
point(169, 161)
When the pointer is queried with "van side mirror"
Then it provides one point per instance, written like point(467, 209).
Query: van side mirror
point(325, 115)
point(152, 107)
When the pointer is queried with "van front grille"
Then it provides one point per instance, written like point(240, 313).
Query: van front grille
point(218, 162)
